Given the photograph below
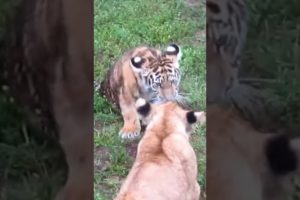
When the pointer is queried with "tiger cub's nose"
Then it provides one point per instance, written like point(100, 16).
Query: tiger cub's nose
point(168, 91)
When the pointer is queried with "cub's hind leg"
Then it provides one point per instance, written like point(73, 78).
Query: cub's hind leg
point(132, 127)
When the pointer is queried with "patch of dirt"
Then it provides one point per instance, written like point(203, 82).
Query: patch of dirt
point(101, 159)
point(98, 125)
point(131, 148)
point(99, 57)
point(199, 37)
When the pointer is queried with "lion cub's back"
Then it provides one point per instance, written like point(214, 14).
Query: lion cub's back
point(150, 185)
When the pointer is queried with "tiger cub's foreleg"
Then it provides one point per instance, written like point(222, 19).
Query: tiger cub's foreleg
point(132, 127)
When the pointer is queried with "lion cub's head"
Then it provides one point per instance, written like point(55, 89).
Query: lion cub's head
point(169, 115)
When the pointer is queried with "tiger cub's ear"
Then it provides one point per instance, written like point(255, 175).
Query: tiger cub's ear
point(173, 52)
point(173, 49)
point(137, 63)
point(195, 117)
point(143, 107)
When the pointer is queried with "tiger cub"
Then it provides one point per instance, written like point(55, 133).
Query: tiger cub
point(142, 72)
point(226, 35)
point(166, 165)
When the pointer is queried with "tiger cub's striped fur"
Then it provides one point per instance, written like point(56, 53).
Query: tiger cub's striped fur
point(142, 72)
point(226, 38)
point(226, 34)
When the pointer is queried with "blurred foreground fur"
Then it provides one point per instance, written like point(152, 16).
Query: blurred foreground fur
point(48, 68)
point(244, 163)
point(246, 159)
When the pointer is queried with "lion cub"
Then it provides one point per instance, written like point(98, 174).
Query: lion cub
point(166, 166)
point(246, 164)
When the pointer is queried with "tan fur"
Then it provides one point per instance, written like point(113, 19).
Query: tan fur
point(165, 167)
point(236, 164)
point(123, 84)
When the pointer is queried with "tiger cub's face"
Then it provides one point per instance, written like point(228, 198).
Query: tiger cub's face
point(158, 73)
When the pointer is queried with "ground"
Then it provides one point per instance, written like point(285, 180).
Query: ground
point(120, 26)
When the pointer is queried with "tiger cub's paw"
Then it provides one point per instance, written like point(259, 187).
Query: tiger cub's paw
point(130, 131)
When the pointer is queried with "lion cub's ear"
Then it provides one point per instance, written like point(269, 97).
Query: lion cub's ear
point(174, 53)
point(143, 107)
point(282, 154)
point(195, 117)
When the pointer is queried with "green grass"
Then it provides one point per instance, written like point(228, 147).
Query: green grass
point(120, 26)
point(272, 54)
point(32, 164)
